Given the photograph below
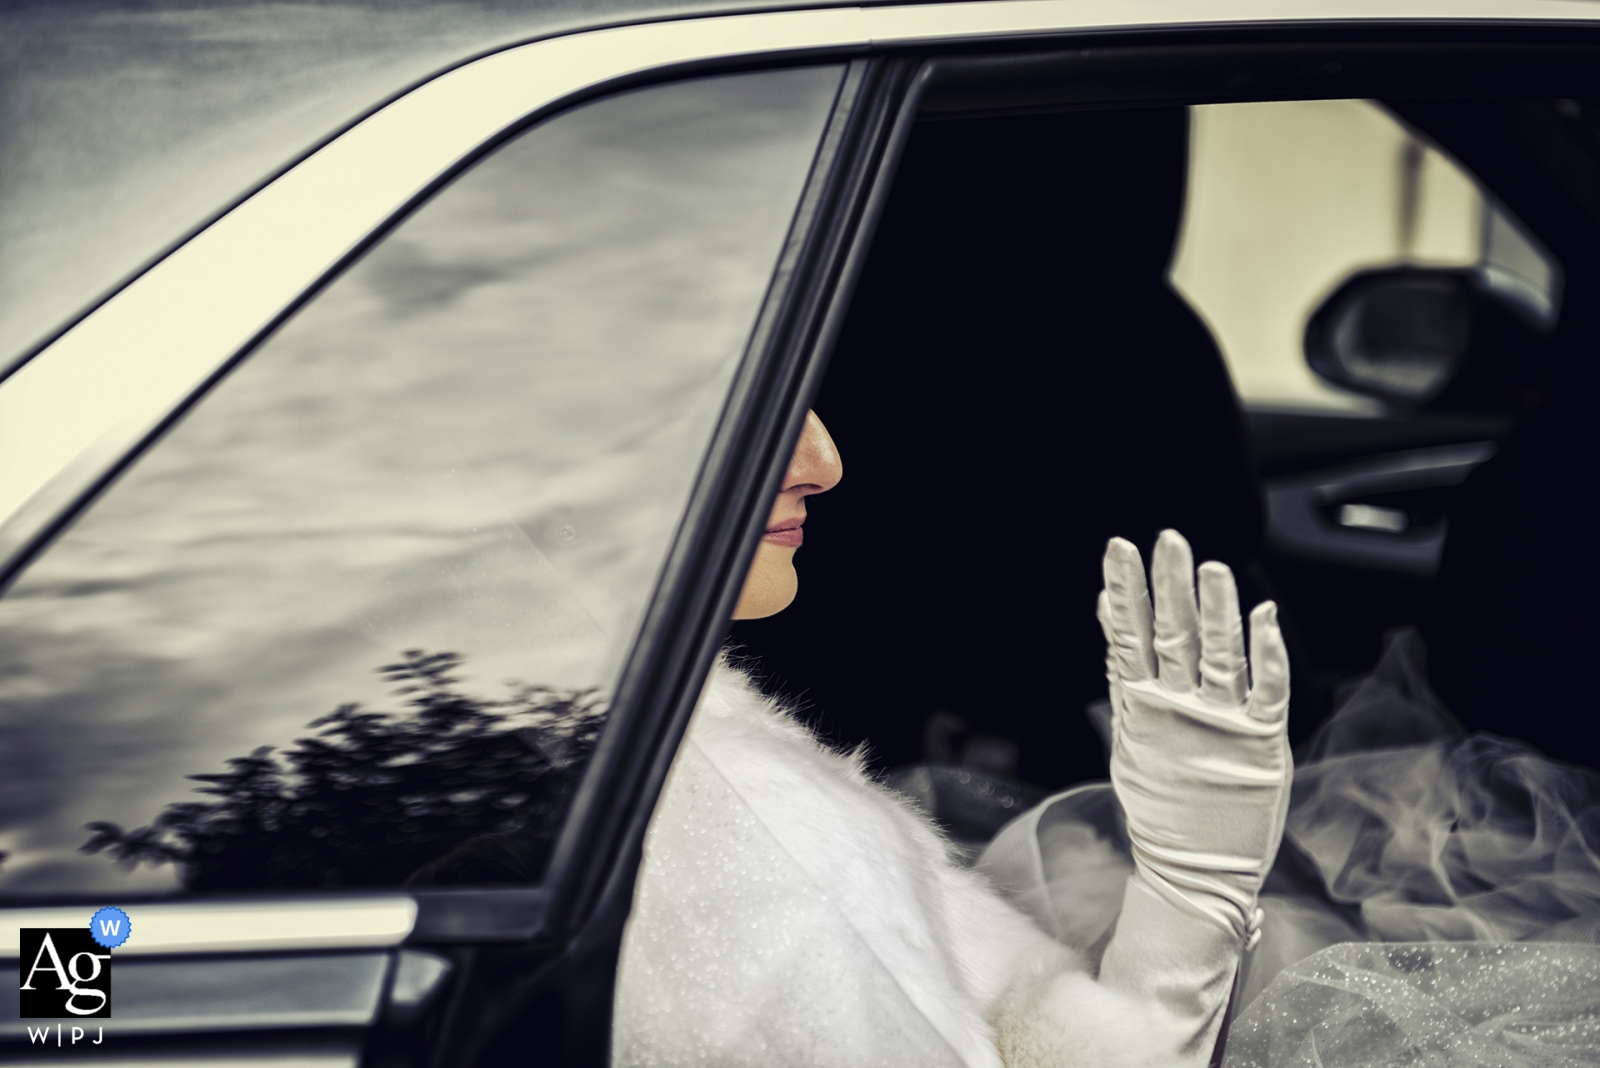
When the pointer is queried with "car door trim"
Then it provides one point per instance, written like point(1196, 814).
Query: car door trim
point(1295, 525)
point(154, 996)
point(356, 921)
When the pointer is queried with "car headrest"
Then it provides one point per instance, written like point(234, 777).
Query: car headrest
point(1085, 199)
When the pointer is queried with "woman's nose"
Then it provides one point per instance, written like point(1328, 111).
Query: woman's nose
point(815, 466)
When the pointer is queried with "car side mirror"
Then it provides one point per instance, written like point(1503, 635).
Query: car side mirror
point(1403, 334)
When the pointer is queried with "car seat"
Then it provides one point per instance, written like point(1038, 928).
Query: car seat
point(1015, 383)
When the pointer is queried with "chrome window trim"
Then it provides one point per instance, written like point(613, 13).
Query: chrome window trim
point(70, 415)
point(365, 921)
point(280, 992)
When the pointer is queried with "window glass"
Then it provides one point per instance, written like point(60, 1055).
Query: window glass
point(1287, 200)
point(352, 623)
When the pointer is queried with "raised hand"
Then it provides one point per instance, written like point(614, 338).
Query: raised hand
point(1200, 761)
point(1200, 758)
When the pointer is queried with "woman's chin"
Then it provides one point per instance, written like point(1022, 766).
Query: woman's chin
point(770, 586)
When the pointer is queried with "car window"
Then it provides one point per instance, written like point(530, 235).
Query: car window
point(352, 622)
point(1288, 200)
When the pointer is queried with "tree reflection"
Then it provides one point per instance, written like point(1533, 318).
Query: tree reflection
point(455, 790)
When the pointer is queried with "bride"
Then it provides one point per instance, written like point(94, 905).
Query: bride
point(792, 911)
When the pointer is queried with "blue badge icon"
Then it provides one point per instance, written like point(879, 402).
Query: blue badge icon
point(110, 927)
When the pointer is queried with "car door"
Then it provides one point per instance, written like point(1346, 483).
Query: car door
point(365, 556)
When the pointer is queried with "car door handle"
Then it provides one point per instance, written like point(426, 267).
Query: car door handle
point(1383, 513)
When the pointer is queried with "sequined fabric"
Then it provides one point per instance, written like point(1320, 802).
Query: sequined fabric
point(1427, 1005)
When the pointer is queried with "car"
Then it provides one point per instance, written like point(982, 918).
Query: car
point(393, 398)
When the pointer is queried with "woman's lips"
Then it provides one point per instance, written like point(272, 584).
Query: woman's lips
point(788, 533)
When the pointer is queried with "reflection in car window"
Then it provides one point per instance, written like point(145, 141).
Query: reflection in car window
point(1288, 199)
point(352, 623)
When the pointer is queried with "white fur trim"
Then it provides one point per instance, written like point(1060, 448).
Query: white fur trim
point(792, 911)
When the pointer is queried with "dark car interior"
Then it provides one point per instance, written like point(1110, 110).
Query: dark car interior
point(1014, 385)
point(1017, 381)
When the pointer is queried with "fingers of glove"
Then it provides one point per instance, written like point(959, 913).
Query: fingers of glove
point(1269, 666)
point(1177, 622)
point(1102, 612)
point(1222, 663)
point(1128, 604)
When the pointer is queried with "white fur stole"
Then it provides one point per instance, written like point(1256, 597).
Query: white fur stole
point(790, 911)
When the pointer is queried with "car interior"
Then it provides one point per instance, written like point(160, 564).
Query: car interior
point(1020, 377)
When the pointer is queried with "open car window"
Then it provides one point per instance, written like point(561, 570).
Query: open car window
point(352, 622)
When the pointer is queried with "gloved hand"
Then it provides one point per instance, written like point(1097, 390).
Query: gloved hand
point(1200, 762)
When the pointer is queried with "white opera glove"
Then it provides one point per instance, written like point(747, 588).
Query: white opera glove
point(1200, 762)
